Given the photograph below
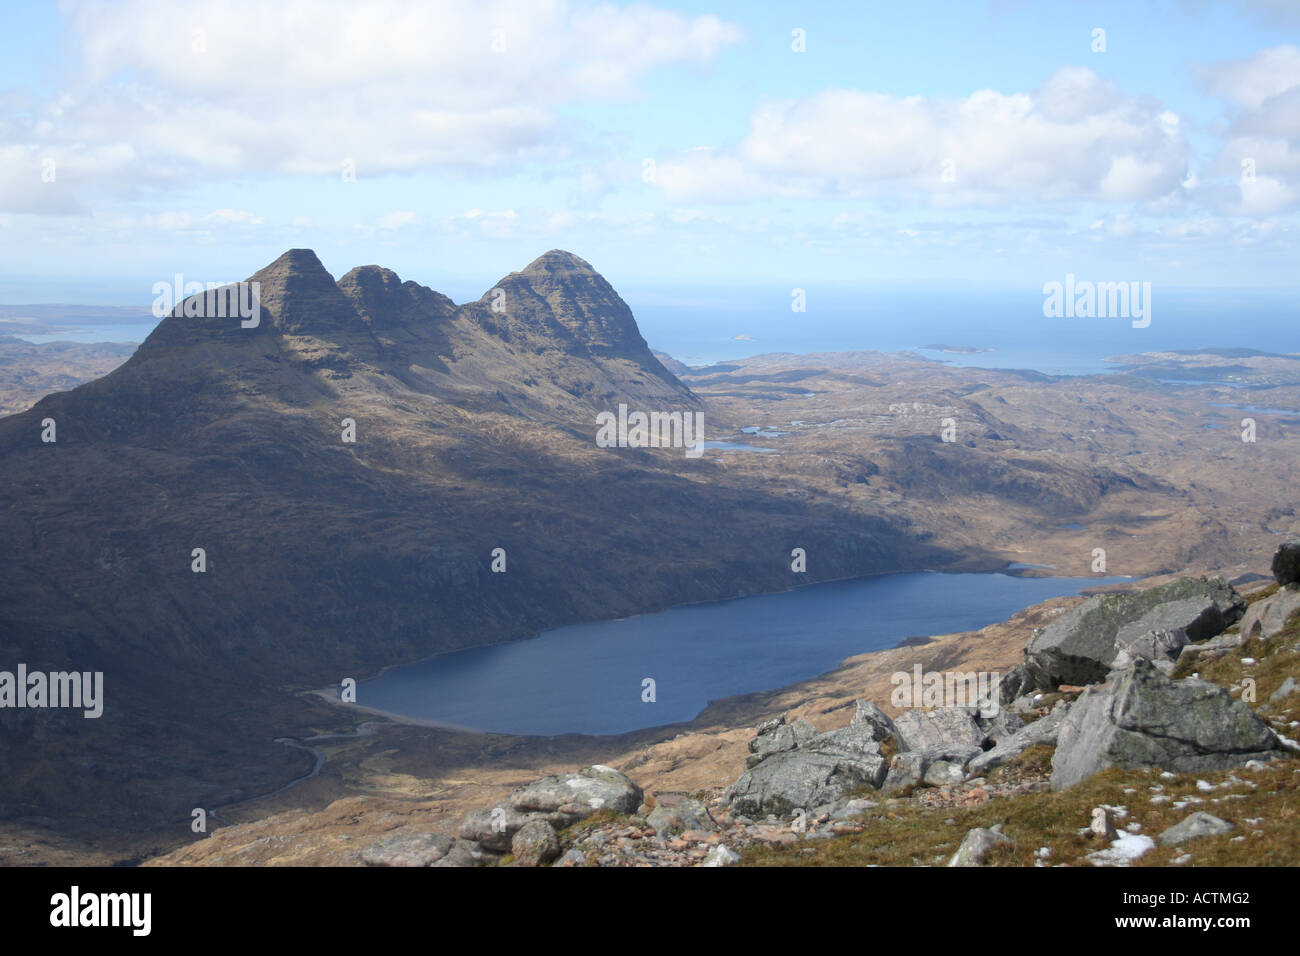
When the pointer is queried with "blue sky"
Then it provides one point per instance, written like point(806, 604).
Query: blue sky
point(667, 143)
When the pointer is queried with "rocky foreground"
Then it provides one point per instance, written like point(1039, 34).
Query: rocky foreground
point(1109, 700)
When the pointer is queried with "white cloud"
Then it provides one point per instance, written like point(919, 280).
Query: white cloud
point(171, 95)
point(1262, 148)
point(1076, 137)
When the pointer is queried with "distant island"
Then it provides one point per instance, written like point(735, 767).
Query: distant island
point(956, 349)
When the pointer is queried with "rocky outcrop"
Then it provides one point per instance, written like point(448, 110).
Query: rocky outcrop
point(816, 773)
point(1082, 645)
point(553, 802)
point(1141, 718)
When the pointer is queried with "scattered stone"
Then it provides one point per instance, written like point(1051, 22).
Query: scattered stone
point(721, 856)
point(976, 846)
point(1196, 825)
point(1288, 688)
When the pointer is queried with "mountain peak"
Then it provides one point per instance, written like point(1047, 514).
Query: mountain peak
point(558, 261)
point(300, 294)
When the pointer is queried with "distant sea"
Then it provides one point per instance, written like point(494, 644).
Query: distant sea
point(702, 325)
point(699, 326)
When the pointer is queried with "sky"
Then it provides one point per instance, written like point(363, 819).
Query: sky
point(669, 144)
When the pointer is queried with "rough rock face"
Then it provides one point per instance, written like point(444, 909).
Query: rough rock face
point(1266, 617)
point(1042, 731)
point(1286, 563)
point(866, 712)
point(1144, 719)
point(954, 727)
point(778, 739)
point(817, 773)
point(1081, 645)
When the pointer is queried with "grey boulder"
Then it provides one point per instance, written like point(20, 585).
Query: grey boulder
point(819, 772)
point(1080, 646)
point(1141, 718)
point(1269, 615)
point(536, 844)
point(976, 846)
point(941, 727)
point(581, 793)
point(1286, 563)
point(1199, 824)
point(409, 846)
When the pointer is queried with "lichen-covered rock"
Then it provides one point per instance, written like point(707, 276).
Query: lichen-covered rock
point(1144, 719)
point(676, 812)
point(536, 844)
point(409, 846)
point(586, 791)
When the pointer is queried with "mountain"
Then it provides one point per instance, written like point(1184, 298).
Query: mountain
point(324, 558)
